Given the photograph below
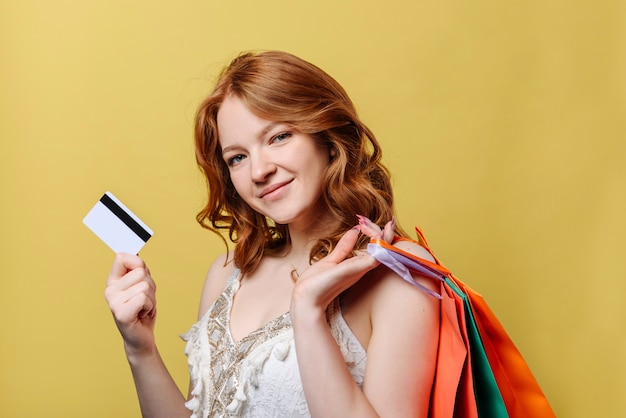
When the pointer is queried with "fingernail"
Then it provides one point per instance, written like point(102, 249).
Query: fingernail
point(365, 221)
point(356, 229)
point(393, 220)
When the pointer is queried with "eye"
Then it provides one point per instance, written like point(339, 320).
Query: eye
point(281, 137)
point(234, 160)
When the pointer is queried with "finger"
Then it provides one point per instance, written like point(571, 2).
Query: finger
point(368, 227)
point(136, 301)
point(136, 308)
point(344, 246)
point(120, 290)
point(147, 313)
point(130, 279)
point(142, 287)
point(139, 274)
point(361, 263)
point(148, 306)
point(351, 270)
point(389, 230)
point(123, 263)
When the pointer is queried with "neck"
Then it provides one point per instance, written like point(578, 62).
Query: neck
point(302, 238)
point(302, 241)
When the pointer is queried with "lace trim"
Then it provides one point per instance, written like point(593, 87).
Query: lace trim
point(222, 370)
point(351, 349)
point(216, 360)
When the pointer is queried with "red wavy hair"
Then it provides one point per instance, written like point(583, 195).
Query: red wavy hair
point(279, 87)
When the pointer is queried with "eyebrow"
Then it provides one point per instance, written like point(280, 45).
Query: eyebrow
point(267, 128)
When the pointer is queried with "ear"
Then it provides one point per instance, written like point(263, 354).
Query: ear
point(332, 152)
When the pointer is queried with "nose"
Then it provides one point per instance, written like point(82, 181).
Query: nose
point(261, 167)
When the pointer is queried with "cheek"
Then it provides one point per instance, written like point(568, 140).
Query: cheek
point(236, 178)
point(319, 161)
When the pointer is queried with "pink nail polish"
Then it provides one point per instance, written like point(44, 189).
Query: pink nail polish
point(369, 222)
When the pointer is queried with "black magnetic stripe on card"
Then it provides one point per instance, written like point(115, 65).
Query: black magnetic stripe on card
point(125, 217)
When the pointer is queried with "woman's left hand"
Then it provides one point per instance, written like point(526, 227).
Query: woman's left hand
point(329, 277)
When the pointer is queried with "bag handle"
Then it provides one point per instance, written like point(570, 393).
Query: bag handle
point(402, 263)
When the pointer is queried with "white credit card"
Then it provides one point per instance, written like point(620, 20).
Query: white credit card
point(117, 226)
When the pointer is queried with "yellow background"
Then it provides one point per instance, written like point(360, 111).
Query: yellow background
point(503, 123)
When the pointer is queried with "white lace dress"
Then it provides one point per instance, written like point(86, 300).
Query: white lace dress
point(257, 376)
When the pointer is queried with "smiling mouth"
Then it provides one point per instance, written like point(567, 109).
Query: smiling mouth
point(270, 189)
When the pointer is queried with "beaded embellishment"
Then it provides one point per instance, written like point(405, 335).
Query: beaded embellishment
point(220, 384)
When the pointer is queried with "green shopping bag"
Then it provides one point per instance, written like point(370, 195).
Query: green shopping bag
point(489, 401)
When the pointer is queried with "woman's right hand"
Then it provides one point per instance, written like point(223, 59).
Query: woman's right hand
point(326, 279)
point(130, 294)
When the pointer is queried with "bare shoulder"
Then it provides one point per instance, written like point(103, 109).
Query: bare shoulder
point(403, 341)
point(215, 281)
point(386, 278)
point(414, 248)
point(393, 290)
point(382, 301)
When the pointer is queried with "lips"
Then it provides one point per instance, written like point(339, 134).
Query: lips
point(272, 188)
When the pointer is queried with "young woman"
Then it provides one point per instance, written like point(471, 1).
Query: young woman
point(298, 320)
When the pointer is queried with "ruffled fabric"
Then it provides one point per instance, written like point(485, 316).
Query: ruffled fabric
point(264, 379)
point(252, 367)
point(199, 363)
point(353, 352)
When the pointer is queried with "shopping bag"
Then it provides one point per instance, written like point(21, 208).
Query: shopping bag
point(453, 392)
point(494, 380)
point(489, 402)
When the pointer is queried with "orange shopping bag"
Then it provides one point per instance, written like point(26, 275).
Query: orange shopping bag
point(480, 372)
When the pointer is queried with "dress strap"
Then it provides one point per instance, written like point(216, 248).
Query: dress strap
point(233, 276)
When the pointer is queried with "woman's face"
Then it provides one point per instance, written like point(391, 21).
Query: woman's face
point(275, 169)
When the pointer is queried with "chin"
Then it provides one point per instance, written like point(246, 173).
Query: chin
point(281, 220)
point(285, 219)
